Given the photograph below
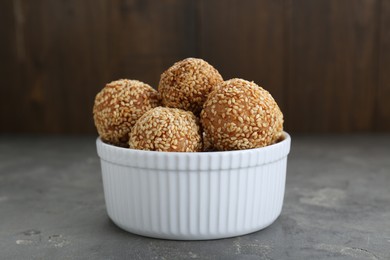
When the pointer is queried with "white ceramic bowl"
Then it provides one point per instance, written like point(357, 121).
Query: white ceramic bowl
point(193, 196)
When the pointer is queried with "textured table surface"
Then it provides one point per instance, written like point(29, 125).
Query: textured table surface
point(337, 205)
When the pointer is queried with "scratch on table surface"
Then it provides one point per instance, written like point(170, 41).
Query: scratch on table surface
point(31, 232)
point(58, 241)
point(253, 247)
point(192, 255)
point(24, 242)
point(347, 251)
point(237, 245)
point(327, 197)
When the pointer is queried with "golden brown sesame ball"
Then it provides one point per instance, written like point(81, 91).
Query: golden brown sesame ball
point(239, 115)
point(119, 105)
point(166, 129)
point(187, 84)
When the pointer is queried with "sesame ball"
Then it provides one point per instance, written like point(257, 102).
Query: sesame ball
point(187, 84)
point(119, 105)
point(241, 115)
point(166, 129)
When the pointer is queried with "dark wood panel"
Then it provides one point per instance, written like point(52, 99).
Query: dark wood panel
point(383, 98)
point(146, 37)
point(12, 103)
point(246, 39)
point(57, 47)
point(70, 49)
point(333, 65)
point(326, 62)
point(362, 64)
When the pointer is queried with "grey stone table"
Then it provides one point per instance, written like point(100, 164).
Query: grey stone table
point(337, 205)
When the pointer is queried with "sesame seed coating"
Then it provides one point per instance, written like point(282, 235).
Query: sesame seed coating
point(187, 84)
point(166, 129)
point(119, 105)
point(239, 114)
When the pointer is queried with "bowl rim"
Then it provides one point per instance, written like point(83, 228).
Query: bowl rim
point(286, 139)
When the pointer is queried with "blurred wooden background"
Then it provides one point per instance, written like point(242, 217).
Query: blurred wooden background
point(326, 62)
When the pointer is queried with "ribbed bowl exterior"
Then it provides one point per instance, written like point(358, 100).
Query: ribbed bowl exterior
point(193, 196)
